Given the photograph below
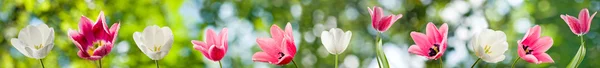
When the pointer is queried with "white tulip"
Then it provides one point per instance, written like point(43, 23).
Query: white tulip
point(155, 42)
point(335, 40)
point(35, 41)
point(490, 45)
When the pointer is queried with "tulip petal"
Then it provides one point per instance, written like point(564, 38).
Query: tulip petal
point(223, 39)
point(573, 23)
point(530, 58)
point(268, 46)
point(288, 31)
point(345, 41)
point(202, 47)
point(24, 37)
point(416, 49)
point(532, 35)
point(78, 40)
point(421, 40)
point(288, 47)
point(103, 50)
point(216, 53)
point(264, 57)
point(211, 37)
point(327, 41)
point(276, 33)
point(542, 45)
point(114, 30)
point(20, 46)
point(34, 36)
point(433, 33)
point(168, 34)
point(544, 58)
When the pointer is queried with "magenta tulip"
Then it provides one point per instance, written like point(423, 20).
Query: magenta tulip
point(94, 40)
point(214, 47)
point(379, 22)
point(532, 47)
point(579, 26)
point(431, 45)
point(278, 50)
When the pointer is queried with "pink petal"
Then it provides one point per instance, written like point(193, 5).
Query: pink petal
point(199, 45)
point(544, 58)
point(415, 49)
point(444, 30)
point(223, 38)
point(100, 31)
point(433, 33)
point(114, 30)
point(288, 30)
point(103, 50)
point(217, 53)
point(78, 40)
point(211, 38)
point(82, 54)
point(520, 50)
point(585, 23)
point(421, 40)
point(532, 35)
point(263, 57)
point(530, 59)
point(385, 23)
point(542, 45)
point(85, 27)
point(202, 47)
point(284, 60)
point(376, 15)
point(288, 47)
point(573, 23)
point(277, 33)
point(269, 46)
point(101, 19)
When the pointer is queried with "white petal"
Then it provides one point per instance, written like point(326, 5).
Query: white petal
point(159, 38)
point(139, 41)
point(24, 37)
point(327, 41)
point(345, 41)
point(20, 46)
point(168, 35)
point(50, 37)
point(42, 52)
point(149, 35)
point(35, 36)
point(495, 59)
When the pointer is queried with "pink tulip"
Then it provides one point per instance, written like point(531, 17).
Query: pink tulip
point(579, 26)
point(215, 46)
point(94, 40)
point(532, 47)
point(278, 50)
point(379, 22)
point(431, 45)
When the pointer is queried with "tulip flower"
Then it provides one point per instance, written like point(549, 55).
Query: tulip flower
point(214, 47)
point(532, 47)
point(579, 26)
point(280, 49)
point(490, 46)
point(431, 45)
point(335, 41)
point(35, 41)
point(94, 40)
point(155, 42)
point(379, 22)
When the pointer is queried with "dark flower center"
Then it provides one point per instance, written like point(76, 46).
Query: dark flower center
point(527, 49)
point(434, 50)
point(280, 53)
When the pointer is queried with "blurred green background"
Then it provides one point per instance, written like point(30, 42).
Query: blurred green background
point(251, 19)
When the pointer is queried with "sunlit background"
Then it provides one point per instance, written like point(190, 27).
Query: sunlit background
point(251, 19)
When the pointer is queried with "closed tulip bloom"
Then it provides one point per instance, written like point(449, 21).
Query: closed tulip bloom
point(431, 45)
point(579, 26)
point(379, 22)
point(280, 49)
point(94, 40)
point(214, 46)
point(34, 41)
point(335, 40)
point(154, 41)
point(490, 45)
point(532, 48)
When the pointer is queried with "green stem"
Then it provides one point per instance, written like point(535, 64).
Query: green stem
point(220, 65)
point(441, 63)
point(295, 63)
point(100, 63)
point(336, 61)
point(475, 63)
point(515, 62)
point(42, 62)
point(156, 61)
point(377, 51)
point(581, 57)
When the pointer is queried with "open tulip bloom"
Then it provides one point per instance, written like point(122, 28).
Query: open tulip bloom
point(336, 41)
point(431, 45)
point(94, 40)
point(155, 42)
point(532, 48)
point(280, 49)
point(214, 47)
point(490, 46)
point(35, 41)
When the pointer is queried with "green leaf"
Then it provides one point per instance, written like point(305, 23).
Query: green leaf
point(578, 57)
point(381, 55)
